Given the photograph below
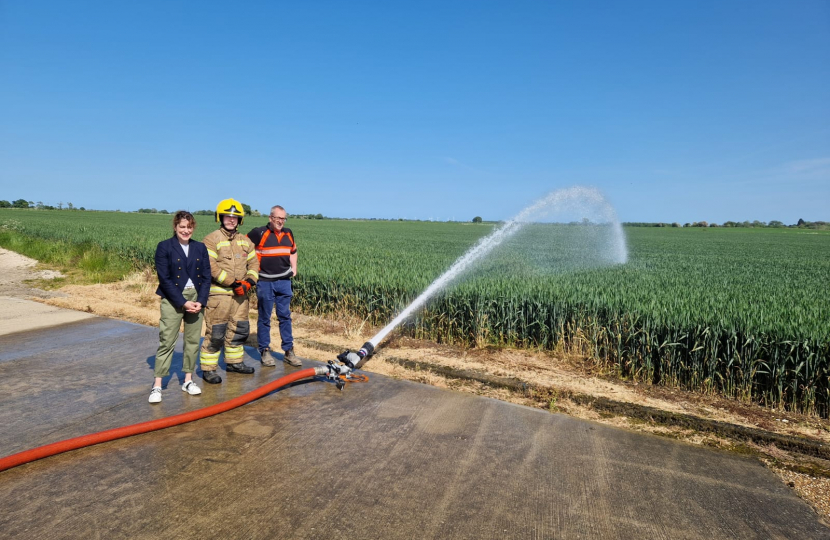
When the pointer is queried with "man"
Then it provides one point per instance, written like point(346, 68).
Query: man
point(234, 270)
point(277, 253)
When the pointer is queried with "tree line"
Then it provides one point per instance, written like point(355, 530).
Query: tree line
point(774, 224)
point(23, 203)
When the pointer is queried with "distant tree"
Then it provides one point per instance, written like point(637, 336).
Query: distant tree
point(714, 225)
point(162, 211)
point(675, 224)
point(729, 224)
point(687, 224)
point(801, 223)
point(318, 216)
point(39, 205)
point(20, 203)
point(5, 204)
point(776, 224)
point(247, 209)
point(477, 219)
point(629, 223)
point(69, 205)
point(82, 209)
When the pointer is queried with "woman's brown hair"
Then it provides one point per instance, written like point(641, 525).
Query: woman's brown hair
point(183, 215)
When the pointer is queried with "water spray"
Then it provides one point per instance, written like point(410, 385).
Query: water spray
point(550, 204)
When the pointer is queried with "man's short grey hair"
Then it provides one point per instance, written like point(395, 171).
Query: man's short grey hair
point(277, 206)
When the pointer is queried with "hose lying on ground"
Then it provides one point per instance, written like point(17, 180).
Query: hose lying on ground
point(126, 431)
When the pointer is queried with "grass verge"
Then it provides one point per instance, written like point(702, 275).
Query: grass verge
point(81, 264)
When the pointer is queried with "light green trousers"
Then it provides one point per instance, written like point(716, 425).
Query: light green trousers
point(169, 324)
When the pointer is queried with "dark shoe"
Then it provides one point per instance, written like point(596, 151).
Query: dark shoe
point(267, 359)
point(239, 368)
point(292, 358)
point(211, 377)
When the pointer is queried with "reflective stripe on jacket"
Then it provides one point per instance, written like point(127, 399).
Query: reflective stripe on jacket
point(274, 250)
point(232, 258)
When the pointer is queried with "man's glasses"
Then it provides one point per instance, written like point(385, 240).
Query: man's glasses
point(278, 218)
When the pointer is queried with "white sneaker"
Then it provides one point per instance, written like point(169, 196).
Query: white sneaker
point(191, 388)
point(155, 395)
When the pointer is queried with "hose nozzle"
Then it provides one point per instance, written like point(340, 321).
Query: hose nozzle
point(355, 360)
point(366, 352)
point(348, 361)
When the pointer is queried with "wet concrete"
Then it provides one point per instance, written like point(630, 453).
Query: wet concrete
point(383, 459)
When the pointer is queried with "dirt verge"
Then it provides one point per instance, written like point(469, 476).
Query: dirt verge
point(18, 273)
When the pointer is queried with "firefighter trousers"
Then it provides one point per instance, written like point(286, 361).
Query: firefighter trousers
point(226, 325)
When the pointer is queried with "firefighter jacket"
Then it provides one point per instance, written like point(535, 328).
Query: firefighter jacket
point(274, 250)
point(232, 258)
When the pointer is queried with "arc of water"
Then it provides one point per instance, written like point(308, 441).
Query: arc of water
point(550, 203)
point(481, 248)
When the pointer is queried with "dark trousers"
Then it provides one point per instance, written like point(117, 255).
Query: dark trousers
point(271, 294)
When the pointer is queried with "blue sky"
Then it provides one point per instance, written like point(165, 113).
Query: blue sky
point(676, 111)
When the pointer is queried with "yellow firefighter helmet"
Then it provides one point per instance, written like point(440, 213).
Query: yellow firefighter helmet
point(229, 207)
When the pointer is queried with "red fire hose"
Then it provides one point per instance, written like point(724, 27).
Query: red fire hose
point(118, 433)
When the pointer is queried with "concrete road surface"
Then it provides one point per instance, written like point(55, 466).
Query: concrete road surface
point(18, 315)
point(384, 459)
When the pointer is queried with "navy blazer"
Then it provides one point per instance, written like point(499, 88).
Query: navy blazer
point(173, 269)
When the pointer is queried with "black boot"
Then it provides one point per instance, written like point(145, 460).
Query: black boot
point(239, 368)
point(211, 377)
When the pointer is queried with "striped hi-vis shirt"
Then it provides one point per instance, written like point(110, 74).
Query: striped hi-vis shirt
point(274, 250)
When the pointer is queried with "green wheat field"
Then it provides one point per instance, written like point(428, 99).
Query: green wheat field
point(740, 312)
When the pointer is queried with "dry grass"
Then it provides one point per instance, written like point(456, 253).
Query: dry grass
point(132, 299)
point(348, 325)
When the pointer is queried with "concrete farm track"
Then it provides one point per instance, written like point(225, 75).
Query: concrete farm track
point(383, 459)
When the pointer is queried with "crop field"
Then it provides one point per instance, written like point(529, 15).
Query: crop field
point(740, 312)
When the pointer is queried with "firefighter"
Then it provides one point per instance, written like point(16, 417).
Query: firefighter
point(234, 270)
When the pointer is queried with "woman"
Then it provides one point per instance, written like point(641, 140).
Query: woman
point(183, 269)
